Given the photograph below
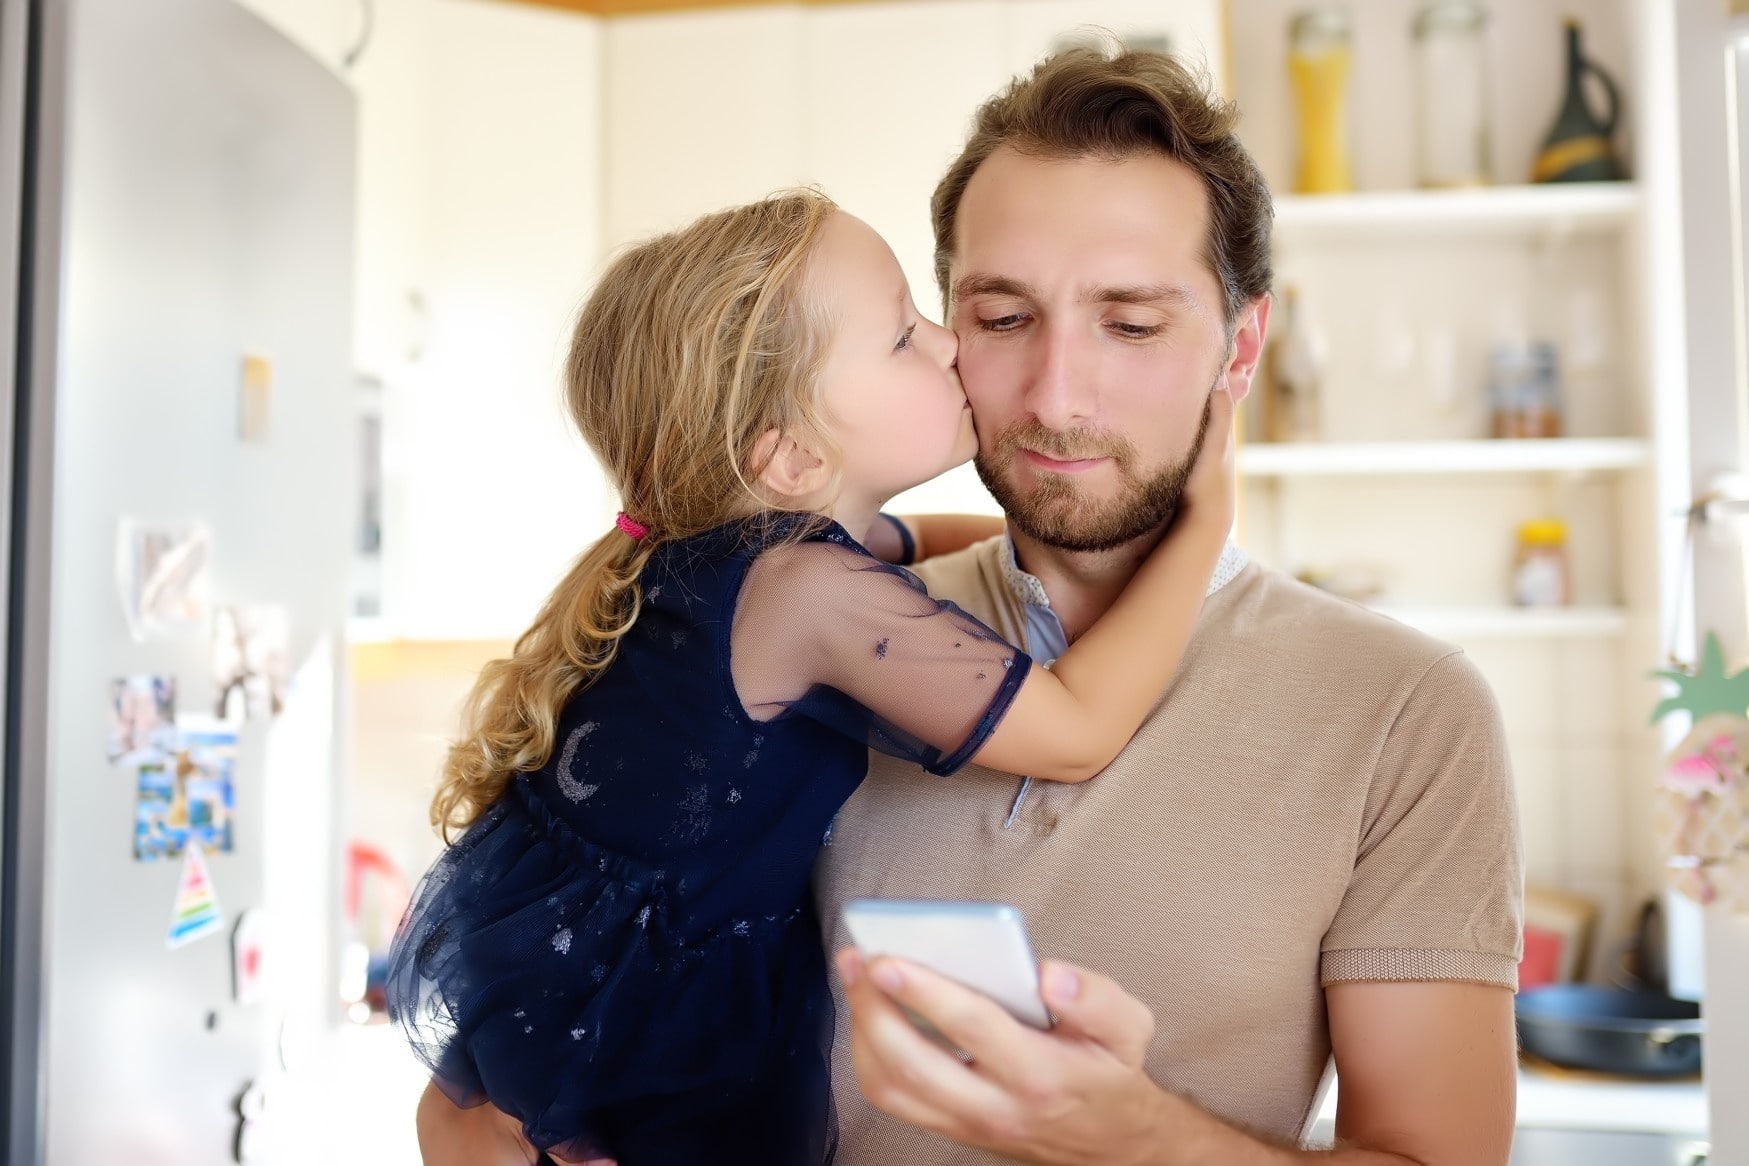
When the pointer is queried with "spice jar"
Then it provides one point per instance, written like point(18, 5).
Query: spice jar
point(1542, 573)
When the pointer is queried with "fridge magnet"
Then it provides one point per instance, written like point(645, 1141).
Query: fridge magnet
point(254, 398)
point(164, 574)
point(250, 647)
point(142, 715)
point(196, 913)
point(1702, 808)
point(248, 954)
point(187, 795)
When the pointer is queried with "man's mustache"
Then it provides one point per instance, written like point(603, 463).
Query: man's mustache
point(1064, 445)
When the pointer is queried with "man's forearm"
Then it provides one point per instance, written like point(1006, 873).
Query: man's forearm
point(1195, 1137)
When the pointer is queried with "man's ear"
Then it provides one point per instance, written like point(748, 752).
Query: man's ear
point(789, 469)
point(1247, 347)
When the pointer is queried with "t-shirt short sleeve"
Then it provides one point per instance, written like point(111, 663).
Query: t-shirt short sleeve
point(1437, 888)
point(827, 632)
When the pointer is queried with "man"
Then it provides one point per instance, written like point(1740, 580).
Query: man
point(1311, 849)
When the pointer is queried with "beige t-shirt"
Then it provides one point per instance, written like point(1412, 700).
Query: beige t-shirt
point(1323, 795)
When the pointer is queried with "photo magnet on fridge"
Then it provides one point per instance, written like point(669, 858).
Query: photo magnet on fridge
point(188, 795)
point(196, 913)
point(251, 646)
point(142, 716)
point(164, 573)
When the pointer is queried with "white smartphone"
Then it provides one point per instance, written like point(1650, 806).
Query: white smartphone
point(980, 945)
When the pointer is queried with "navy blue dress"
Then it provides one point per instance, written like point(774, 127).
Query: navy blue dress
point(623, 951)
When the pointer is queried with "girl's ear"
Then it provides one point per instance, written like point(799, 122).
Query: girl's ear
point(789, 469)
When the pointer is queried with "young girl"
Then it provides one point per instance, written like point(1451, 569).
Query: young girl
point(621, 950)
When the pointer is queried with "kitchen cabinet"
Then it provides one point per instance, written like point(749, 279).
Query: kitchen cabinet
point(479, 231)
point(479, 206)
point(490, 494)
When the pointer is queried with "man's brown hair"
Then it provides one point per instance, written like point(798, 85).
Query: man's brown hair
point(1092, 103)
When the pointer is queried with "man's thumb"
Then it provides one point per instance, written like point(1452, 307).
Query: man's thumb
point(1093, 1007)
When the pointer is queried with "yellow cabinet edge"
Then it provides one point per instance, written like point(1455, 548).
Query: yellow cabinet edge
point(391, 660)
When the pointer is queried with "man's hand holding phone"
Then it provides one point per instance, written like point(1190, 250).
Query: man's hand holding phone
point(1076, 1093)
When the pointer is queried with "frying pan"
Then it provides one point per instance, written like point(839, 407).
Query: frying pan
point(1610, 1030)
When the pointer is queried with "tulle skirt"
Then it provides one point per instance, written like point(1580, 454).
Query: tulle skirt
point(558, 981)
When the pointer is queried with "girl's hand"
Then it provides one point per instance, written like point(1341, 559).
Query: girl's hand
point(1210, 494)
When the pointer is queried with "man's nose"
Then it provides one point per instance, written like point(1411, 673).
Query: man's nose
point(1060, 390)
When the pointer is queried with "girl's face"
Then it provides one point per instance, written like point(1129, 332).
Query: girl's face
point(891, 393)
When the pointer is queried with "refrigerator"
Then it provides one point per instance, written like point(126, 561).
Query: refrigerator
point(178, 454)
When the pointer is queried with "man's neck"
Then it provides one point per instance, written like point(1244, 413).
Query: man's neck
point(1082, 585)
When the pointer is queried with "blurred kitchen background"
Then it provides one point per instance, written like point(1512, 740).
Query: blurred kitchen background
point(286, 448)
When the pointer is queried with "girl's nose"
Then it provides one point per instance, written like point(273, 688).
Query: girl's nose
point(944, 345)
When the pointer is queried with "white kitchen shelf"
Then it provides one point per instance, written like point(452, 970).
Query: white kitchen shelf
point(1469, 623)
point(1332, 459)
point(1590, 206)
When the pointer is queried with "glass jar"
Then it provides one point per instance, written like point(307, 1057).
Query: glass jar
point(1542, 574)
point(1318, 61)
point(1452, 142)
point(1524, 390)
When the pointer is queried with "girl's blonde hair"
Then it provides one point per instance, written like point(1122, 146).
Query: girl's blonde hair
point(690, 348)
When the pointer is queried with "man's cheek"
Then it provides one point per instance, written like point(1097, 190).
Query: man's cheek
point(991, 383)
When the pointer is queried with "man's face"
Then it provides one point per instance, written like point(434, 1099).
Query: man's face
point(1091, 332)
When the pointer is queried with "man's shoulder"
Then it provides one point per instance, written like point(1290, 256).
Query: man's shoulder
point(1270, 609)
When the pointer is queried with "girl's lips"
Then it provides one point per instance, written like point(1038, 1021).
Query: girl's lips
point(1059, 467)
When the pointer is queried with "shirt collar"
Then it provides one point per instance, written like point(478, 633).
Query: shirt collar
point(1031, 592)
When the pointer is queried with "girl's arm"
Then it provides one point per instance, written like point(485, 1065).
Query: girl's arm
point(916, 537)
point(1070, 722)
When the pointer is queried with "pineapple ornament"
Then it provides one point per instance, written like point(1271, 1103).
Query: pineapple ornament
point(1702, 806)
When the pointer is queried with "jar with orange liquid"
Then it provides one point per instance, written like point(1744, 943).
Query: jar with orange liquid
point(1318, 61)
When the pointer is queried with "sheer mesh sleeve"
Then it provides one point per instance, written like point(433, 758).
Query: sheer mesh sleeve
point(827, 632)
point(890, 541)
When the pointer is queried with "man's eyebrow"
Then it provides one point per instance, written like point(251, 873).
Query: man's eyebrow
point(993, 285)
point(1174, 294)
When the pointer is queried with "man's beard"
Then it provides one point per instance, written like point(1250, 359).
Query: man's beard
point(1057, 512)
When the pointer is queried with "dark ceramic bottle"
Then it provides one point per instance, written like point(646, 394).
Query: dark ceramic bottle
point(1578, 148)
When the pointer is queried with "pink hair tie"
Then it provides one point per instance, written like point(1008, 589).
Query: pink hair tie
point(631, 527)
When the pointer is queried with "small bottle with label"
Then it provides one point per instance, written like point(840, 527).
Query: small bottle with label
point(1542, 574)
point(1524, 390)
